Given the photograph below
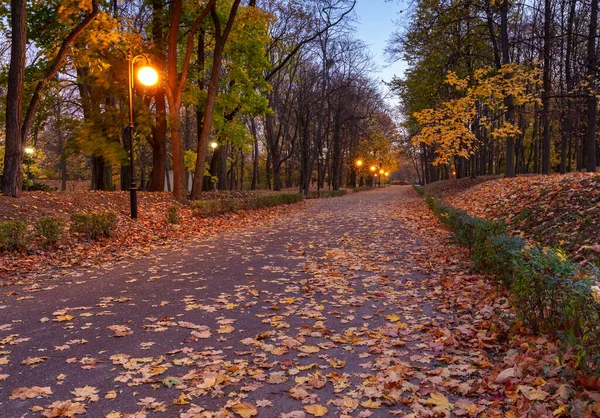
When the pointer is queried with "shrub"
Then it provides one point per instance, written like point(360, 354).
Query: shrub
point(541, 288)
point(325, 194)
point(220, 206)
point(418, 189)
point(468, 230)
point(207, 207)
point(173, 214)
point(13, 235)
point(94, 224)
point(35, 186)
point(50, 229)
point(362, 189)
point(499, 255)
point(550, 293)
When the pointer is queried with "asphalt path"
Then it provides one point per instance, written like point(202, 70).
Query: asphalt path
point(326, 312)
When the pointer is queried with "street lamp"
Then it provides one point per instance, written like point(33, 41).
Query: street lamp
point(148, 77)
point(29, 151)
point(359, 164)
point(214, 146)
point(374, 174)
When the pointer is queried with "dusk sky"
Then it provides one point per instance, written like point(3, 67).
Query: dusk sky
point(376, 20)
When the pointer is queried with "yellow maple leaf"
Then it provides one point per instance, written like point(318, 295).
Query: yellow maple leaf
point(370, 404)
point(309, 349)
point(438, 399)
point(181, 400)
point(393, 318)
point(316, 410)
point(245, 410)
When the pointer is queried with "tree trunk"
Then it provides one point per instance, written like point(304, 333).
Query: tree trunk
point(547, 88)
point(274, 151)
point(158, 140)
point(213, 85)
point(12, 179)
point(222, 167)
point(159, 145)
point(175, 86)
point(565, 157)
point(592, 101)
point(508, 101)
point(255, 179)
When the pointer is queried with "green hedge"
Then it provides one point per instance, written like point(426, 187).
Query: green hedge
point(362, 189)
point(173, 214)
point(221, 206)
point(94, 224)
point(325, 194)
point(419, 189)
point(50, 229)
point(550, 293)
point(13, 235)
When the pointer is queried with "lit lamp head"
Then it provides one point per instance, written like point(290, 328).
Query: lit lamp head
point(387, 174)
point(359, 163)
point(29, 150)
point(214, 145)
point(147, 76)
point(381, 171)
point(373, 168)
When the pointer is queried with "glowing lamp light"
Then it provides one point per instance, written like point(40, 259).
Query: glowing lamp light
point(214, 145)
point(359, 163)
point(29, 150)
point(147, 76)
point(373, 168)
point(381, 171)
point(387, 174)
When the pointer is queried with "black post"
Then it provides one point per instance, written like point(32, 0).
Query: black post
point(132, 185)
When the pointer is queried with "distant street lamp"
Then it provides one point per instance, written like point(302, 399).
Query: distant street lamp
point(148, 77)
point(28, 160)
point(214, 146)
point(373, 174)
point(359, 164)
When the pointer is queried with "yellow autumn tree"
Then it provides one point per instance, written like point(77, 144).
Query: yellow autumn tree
point(449, 128)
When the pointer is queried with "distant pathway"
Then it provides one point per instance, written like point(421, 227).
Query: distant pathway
point(329, 312)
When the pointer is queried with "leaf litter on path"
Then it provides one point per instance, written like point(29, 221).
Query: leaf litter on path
point(358, 306)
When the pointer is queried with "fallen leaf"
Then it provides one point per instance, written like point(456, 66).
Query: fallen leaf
point(316, 410)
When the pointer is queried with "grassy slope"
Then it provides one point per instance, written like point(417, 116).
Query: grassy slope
point(557, 210)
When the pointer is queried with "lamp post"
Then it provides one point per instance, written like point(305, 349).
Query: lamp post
point(359, 164)
point(29, 155)
point(148, 77)
point(373, 175)
point(214, 146)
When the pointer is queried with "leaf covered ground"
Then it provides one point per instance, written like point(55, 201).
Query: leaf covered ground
point(556, 211)
point(349, 307)
point(132, 239)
